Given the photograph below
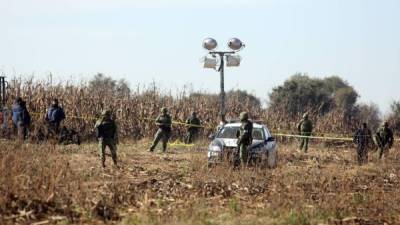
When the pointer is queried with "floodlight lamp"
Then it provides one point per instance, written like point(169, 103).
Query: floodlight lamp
point(235, 44)
point(210, 63)
point(233, 60)
point(209, 44)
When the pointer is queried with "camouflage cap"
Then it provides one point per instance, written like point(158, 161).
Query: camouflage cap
point(164, 110)
point(385, 124)
point(305, 115)
point(106, 112)
point(244, 116)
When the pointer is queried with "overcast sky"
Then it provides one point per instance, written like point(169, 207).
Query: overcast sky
point(160, 40)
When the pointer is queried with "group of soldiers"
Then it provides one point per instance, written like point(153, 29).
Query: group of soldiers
point(105, 127)
point(363, 138)
point(106, 131)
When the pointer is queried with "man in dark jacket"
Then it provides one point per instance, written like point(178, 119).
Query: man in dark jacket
point(21, 118)
point(54, 116)
point(363, 139)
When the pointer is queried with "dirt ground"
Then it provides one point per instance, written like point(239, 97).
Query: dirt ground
point(49, 184)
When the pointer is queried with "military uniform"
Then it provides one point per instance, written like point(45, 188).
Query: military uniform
point(363, 139)
point(384, 137)
point(192, 130)
point(164, 122)
point(304, 128)
point(244, 137)
point(106, 130)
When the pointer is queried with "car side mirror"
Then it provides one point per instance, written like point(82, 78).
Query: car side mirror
point(211, 136)
point(270, 139)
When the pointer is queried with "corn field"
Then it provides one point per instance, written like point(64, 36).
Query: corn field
point(135, 112)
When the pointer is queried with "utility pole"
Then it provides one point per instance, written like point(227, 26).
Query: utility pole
point(3, 86)
point(210, 44)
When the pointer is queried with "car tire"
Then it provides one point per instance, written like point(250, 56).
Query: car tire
point(211, 165)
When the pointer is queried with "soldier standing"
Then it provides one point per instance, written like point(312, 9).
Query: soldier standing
point(363, 139)
point(245, 138)
point(106, 130)
point(304, 128)
point(384, 137)
point(192, 130)
point(163, 121)
point(55, 114)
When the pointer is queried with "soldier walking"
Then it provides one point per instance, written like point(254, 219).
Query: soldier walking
point(363, 139)
point(245, 139)
point(384, 137)
point(164, 122)
point(106, 130)
point(192, 131)
point(54, 116)
point(304, 128)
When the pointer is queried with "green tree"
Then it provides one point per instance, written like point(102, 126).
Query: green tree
point(244, 97)
point(301, 93)
point(103, 85)
point(370, 114)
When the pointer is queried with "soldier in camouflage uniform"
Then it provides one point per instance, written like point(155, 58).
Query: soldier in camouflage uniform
point(106, 130)
point(163, 122)
point(245, 138)
point(192, 130)
point(363, 139)
point(304, 128)
point(384, 138)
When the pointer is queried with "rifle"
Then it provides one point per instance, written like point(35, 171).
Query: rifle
point(98, 123)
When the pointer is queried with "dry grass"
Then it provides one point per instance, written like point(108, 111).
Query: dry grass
point(65, 185)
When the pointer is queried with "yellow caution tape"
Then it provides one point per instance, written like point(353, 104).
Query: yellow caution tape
point(342, 137)
point(314, 132)
point(319, 137)
point(314, 137)
point(179, 143)
point(140, 118)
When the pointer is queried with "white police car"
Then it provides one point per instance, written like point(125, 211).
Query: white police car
point(224, 145)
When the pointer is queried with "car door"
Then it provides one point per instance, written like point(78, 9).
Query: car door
point(270, 141)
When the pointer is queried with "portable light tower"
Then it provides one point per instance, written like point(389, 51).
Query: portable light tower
point(212, 59)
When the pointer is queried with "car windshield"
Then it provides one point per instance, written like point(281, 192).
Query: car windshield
point(230, 132)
